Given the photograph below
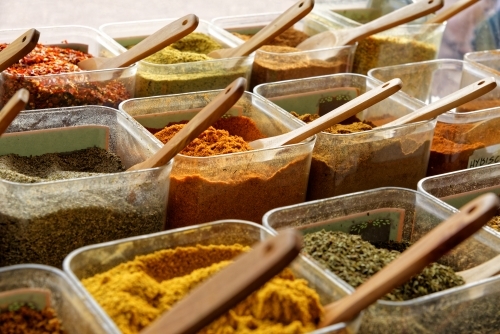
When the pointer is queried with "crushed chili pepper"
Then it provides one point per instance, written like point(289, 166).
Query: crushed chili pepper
point(35, 72)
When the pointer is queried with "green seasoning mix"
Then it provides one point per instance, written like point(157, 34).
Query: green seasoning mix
point(202, 72)
point(355, 260)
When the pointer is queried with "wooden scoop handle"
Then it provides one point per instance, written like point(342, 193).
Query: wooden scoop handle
point(155, 42)
point(273, 29)
point(403, 15)
point(228, 287)
point(206, 117)
point(453, 100)
point(426, 250)
point(451, 11)
point(341, 113)
point(18, 48)
point(13, 107)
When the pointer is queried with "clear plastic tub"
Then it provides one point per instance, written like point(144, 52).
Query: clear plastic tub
point(270, 66)
point(103, 87)
point(91, 260)
point(466, 137)
point(463, 309)
point(345, 163)
point(457, 188)
point(76, 314)
point(364, 11)
point(158, 79)
point(43, 222)
point(489, 60)
point(242, 185)
point(400, 45)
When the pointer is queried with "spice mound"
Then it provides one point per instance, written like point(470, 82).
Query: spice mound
point(355, 260)
point(135, 293)
point(59, 91)
point(210, 142)
point(59, 166)
point(352, 125)
point(290, 37)
point(193, 47)
point(26, 320)
point(380, 51)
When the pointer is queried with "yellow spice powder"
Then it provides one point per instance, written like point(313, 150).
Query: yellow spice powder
point(135, 293)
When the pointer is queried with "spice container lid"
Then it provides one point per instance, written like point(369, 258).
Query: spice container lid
point(77, 315)
point(90, 260)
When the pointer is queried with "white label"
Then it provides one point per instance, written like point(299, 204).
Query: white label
point(485, 156)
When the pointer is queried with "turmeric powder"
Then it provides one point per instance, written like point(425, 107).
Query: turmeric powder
point(135, 293)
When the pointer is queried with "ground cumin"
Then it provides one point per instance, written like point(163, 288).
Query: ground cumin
point(352, 125)
point(290, 37)
point(278, 63)
point(29, 321)
point(453, 144)
point(135, 293)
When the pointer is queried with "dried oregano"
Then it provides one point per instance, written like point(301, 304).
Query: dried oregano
point(355, 260)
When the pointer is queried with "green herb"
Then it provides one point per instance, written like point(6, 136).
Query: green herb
point(355, 260)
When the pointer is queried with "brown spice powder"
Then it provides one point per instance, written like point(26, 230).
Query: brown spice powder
point(290, 37)
point(351, 125)
point(29, 321)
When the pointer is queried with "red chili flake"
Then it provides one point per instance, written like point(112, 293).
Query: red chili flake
point(48, 91)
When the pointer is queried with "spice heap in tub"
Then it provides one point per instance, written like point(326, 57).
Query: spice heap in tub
point(39, 71)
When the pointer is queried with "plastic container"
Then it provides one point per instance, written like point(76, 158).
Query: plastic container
point(412, 215)
point(103, 87)
point(242, 185)
point(271, 66)
point(488, 60)
point(461, 139)
point(345, 163)
point(400, 45)
point(159, 79)
point(91, 260)
point(43, 222)
point(460, 187)
point(364, 11)
point(72, 308)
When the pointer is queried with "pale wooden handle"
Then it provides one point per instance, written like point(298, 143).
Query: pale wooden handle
point(487, 269)
point(155, 42)
point(426, 250)
point(13, 107)
point(206, 117)
point(18, 48)
point(228, 287)
point(447, 103)
point(341, 113)
point(451, 11)
point(273, 29)
point(403, 15)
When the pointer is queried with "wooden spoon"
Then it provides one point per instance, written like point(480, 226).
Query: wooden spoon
point(18, 48)
point(153, 43)
point(203, 119)
point(451, 11)
point(453, 100)
point(426, 250)
point(341, 113)
point(228, 287)
point(12, 108)
point(333, 38)
point(273, 29)
point(487, 269)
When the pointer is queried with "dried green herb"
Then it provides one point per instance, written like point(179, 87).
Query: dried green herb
point(355, 260)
